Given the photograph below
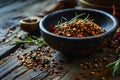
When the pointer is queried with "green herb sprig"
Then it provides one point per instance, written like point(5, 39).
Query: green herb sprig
point(59, 23)
point(31, 39)
point(74, 19)
point(115, 65)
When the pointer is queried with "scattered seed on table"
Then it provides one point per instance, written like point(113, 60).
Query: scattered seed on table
point(39, 58)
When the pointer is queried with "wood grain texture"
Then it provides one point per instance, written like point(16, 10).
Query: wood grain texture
point(10, 66)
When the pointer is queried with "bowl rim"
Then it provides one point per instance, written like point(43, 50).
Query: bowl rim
point(115, 21)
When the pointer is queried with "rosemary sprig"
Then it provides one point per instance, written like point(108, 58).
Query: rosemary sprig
point(75, 18)
point(115, 65)
point(32, 39)
point(86, 18)
point(59, 23)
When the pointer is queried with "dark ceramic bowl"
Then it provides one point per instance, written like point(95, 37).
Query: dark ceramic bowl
point(79, 46)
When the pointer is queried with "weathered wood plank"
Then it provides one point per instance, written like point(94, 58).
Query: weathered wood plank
point(12, 70)
point(7, 70)
point(42, 76)
point(13, 63)
point(17, 72)
point(14, 58)
point(29, 75)
point(7, 48)
point(10, 61)
point(37, 7)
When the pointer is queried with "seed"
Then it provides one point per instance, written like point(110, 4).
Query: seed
point(85, 67)
point(95, 60)
point(103, 78)
point(55, 63)
point(81, 65)
point(92, 73)
point(68, 34)
point(36, 58)
point(104, 59)
point(58, 74)
point(74, 29)
point(56, 71)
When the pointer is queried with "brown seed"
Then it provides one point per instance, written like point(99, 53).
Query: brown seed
point(95, 60)
point(86, 63)
point(104, 59)
point(92, 73)
point(81, 65)
point(55, 63)
point(85, 67)
point(56, 71)
point(103, 78)
point(68, 34)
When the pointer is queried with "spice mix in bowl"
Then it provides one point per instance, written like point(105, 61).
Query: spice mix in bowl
point(78, 31)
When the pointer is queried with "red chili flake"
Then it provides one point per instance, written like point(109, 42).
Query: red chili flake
point(51, 28)
point(117, 35)
point(80, 36)
point(116, 13)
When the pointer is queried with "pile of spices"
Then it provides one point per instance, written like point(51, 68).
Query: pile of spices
point(95, 69)
point(41, 58)
point(100, 68)
point(77, 27)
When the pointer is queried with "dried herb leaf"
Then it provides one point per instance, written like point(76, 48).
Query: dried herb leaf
point(38, 41)
point(115, 65)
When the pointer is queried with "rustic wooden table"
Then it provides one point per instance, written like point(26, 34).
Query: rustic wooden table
point(90, 67)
